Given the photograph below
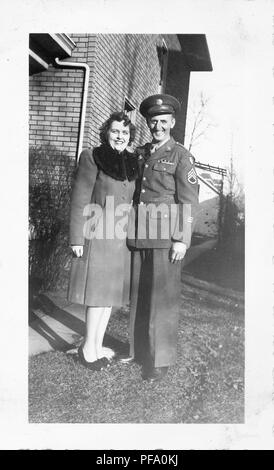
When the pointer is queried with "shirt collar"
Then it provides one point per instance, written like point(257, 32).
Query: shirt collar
point(156, 146)
point(161, 151)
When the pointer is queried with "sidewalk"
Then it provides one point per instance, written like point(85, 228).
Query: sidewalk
point(56, 324)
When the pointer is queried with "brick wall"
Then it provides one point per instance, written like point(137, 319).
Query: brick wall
point(126, 66)
point(55, 98)
point(121, 65)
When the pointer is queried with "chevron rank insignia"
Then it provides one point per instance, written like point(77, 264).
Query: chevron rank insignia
point(191, 176)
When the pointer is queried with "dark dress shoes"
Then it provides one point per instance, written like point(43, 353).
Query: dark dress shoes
point(155, 374)
point(98, 365)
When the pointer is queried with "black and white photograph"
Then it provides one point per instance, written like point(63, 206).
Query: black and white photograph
point(142, 220)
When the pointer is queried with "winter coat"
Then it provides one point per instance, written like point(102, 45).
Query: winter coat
point(100, 203)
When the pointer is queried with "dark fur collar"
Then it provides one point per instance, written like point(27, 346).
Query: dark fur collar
point(120, 166)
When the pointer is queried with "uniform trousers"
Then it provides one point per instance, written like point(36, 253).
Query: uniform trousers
point(154, 315)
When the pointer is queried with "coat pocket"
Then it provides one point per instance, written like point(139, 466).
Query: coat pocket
point(168, 167)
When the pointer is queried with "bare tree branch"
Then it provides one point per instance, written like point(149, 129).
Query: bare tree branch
point(200, 123)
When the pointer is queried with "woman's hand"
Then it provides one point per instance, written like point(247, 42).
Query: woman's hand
point(77, 250)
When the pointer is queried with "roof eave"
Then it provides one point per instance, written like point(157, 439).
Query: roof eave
point(196, 52)
point(44, 48)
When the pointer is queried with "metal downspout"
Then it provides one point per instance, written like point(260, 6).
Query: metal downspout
point(79, 65)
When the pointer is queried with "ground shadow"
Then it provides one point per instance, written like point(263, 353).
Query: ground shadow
point(55, 340)
point(48, 307)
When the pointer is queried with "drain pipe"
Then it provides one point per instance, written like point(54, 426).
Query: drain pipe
point(78, 65)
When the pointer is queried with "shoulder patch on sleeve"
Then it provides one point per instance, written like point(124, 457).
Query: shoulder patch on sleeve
point(192, 176)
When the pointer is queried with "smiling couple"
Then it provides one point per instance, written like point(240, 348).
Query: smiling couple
point(108, 272)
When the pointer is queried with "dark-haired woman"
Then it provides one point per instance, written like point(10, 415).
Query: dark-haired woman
point(101, 199)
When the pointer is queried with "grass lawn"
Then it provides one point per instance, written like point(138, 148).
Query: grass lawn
point(205, 386)
point(222, 269)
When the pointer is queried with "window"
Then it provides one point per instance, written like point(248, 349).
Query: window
point(130, 110)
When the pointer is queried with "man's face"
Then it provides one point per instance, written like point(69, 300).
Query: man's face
point(160, 126)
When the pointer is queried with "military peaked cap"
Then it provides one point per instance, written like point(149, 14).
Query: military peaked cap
point(159, 104)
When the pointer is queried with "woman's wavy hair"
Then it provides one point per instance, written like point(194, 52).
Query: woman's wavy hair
point(119, 116)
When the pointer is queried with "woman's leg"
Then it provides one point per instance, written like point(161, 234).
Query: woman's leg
point(93, 318)
point(100, 333)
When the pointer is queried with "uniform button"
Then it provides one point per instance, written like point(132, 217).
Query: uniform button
point(143, 190)
point(146, 165)
point(141, 203)
point(144, 178)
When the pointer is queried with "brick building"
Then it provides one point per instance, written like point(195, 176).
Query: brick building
point(75, 83)
point(123, 69)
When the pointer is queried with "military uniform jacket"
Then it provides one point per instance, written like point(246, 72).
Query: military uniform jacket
point(166, 197)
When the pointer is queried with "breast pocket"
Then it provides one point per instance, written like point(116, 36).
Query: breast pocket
point(168, 167)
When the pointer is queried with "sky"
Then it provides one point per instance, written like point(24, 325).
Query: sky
point(225, 89)
point(239, 88)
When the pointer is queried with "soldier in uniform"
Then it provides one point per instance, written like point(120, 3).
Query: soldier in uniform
point(165, 204)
